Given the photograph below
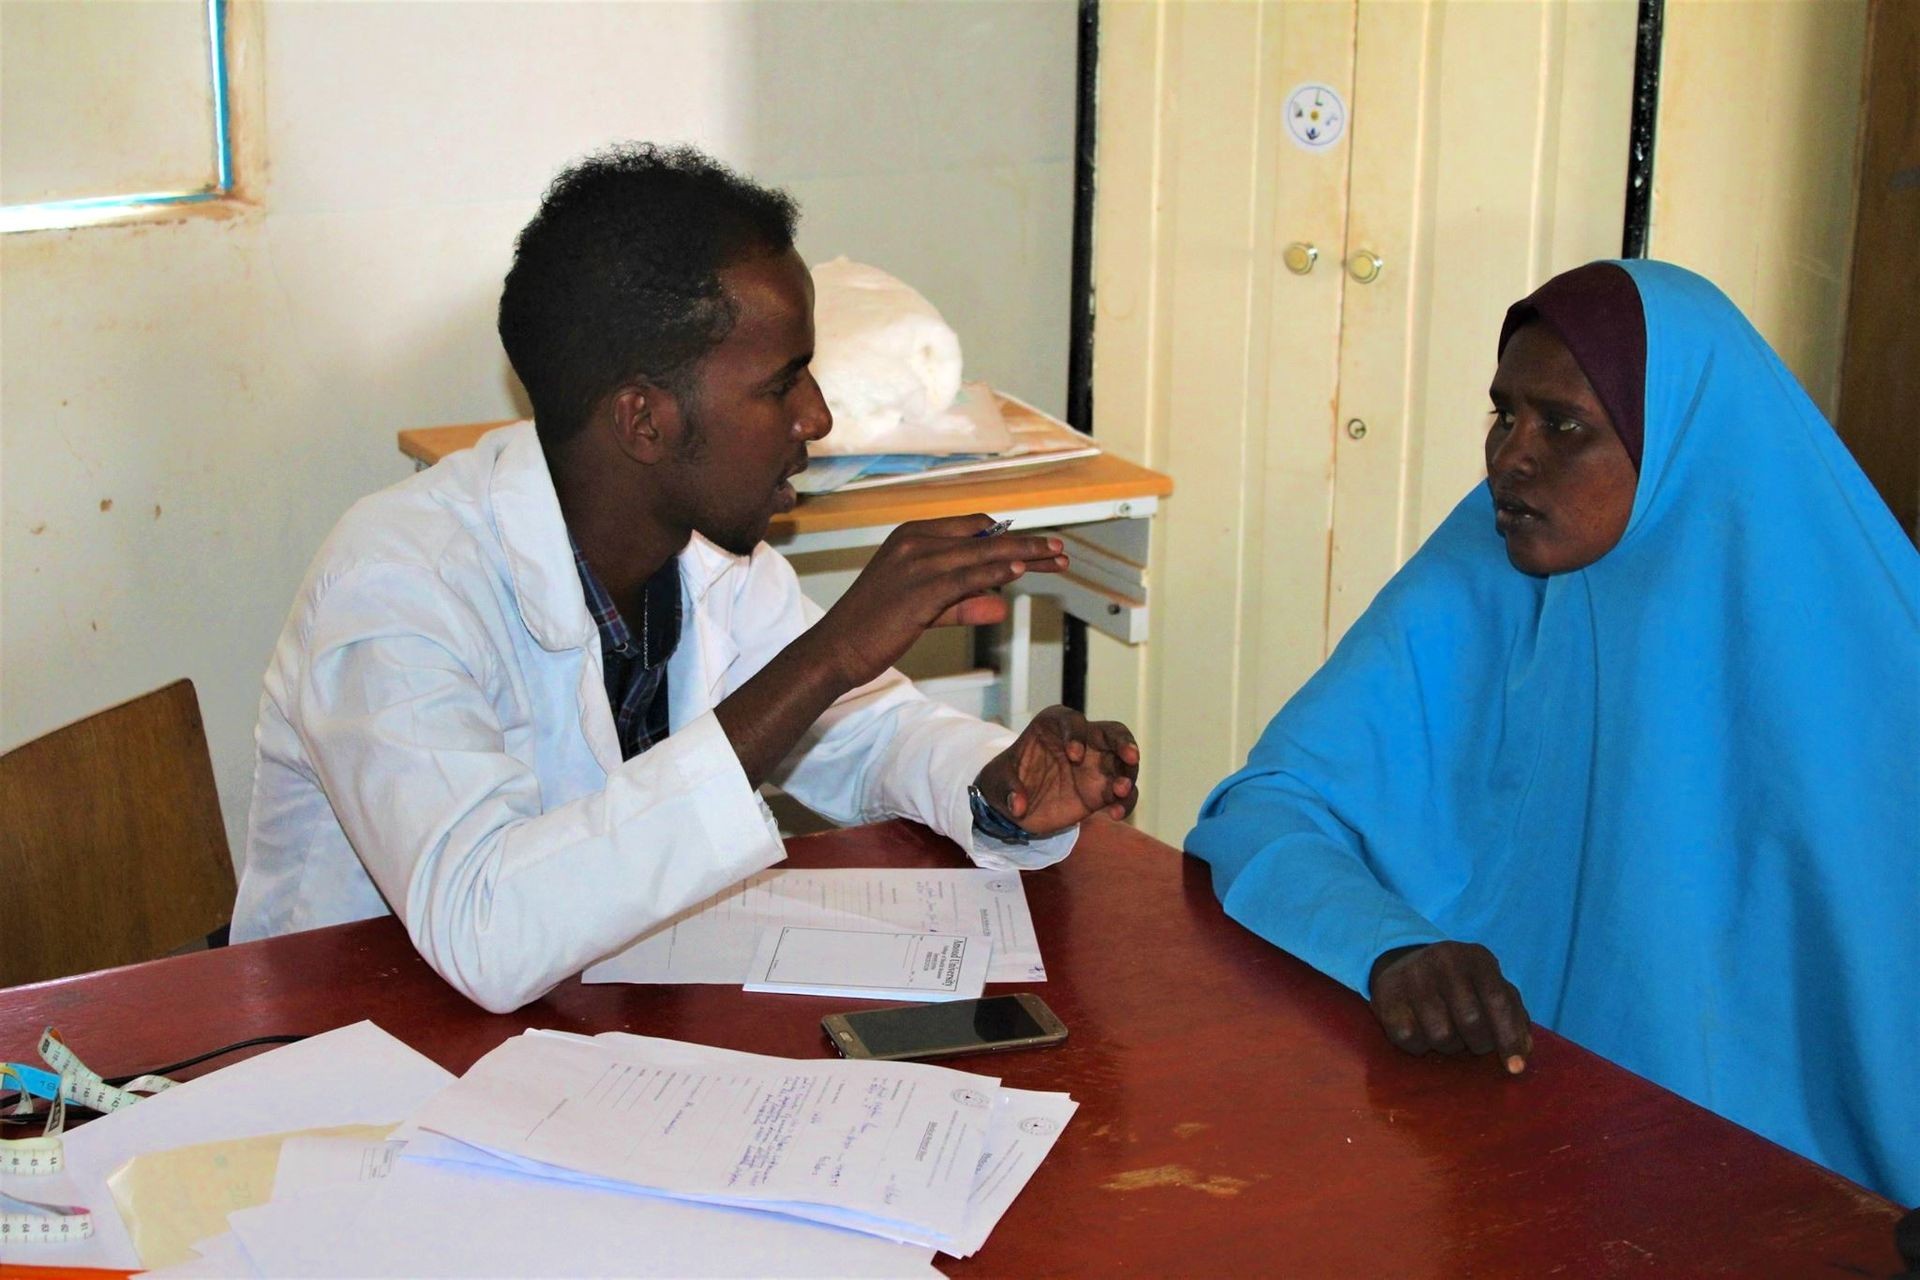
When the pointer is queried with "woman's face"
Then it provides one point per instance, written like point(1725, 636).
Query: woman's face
point(1562, 482)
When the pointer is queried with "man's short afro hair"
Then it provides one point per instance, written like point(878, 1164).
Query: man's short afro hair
point(616, 278)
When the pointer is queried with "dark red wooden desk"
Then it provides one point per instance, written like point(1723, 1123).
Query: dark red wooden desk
point(1240, 1114)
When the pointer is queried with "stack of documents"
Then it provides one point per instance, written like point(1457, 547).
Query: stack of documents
point(889, 1149)
point(1034, 440)
point(869, 964)
point(556, 1155)
point(716, 940)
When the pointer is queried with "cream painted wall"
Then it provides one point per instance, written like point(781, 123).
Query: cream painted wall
point(185, 409)
point(1755, 165)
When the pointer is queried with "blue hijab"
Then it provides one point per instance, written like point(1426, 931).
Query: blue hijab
point(1677, 793)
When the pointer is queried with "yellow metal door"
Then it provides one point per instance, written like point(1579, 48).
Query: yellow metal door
point(1489, 152)
point(1319, 415)
point(1216, 362)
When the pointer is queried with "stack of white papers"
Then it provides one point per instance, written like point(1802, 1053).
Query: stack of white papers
point(909, 1152)
point(715, 940)
point(353, 1076)
point(561, 1155)
point(870, 965)
point(445, 1220)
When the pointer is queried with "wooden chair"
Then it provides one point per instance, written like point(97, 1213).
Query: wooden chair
point(111, 845)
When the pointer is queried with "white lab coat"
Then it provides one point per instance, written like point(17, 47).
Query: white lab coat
point(435, 739)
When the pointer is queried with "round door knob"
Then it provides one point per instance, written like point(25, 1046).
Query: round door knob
point(1365, 266)
point(1356, 429)
point(1300, 257)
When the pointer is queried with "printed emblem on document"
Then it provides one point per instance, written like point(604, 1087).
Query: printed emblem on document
point(970, 1097)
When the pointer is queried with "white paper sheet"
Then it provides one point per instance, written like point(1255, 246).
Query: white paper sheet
point(715, 940)
point(171, 1200)
point(305, 1236)
point(354, 1075)
point(896, 1143)
point(1023, 1129)
point(435, 1221)
point(318, 1164)
point(868, 964)
point(221, 1258)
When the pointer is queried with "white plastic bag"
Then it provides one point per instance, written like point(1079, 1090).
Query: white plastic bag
point(889, 367)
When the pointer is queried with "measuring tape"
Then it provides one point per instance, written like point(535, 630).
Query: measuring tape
point(70, 1083)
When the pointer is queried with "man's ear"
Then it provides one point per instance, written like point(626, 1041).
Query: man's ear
point(646, 421)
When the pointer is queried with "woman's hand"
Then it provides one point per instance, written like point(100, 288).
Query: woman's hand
point(1449, 997)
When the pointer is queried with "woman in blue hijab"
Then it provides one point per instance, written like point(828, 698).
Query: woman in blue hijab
point(1632, 744)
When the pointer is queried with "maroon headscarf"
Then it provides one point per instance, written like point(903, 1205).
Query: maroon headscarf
point(1595, 310)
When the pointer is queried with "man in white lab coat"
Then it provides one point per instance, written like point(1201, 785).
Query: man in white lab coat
point(523, 699)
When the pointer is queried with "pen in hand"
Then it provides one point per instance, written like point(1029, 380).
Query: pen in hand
point(1054, 562)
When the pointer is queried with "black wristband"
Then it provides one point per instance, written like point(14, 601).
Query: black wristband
point(993, 824)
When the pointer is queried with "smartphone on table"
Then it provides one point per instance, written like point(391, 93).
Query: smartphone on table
point(946, 1030)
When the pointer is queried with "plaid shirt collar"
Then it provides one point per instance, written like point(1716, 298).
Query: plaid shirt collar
point(635, 671)
point(661, 605)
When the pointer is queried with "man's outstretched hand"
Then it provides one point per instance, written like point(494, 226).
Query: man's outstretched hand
point(1062, 770)
point(926, 573)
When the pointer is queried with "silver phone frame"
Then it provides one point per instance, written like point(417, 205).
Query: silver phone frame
point(846, 1039)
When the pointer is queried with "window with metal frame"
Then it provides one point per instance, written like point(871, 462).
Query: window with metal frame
point(111, 110)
